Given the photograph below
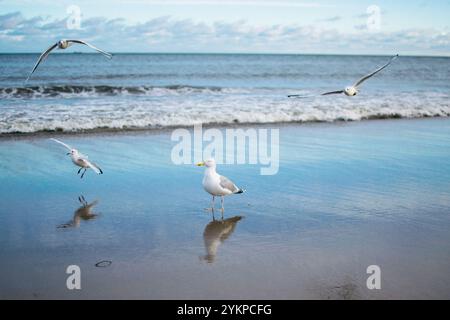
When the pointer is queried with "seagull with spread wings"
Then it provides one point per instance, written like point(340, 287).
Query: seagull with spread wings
point(64, 44)
point(80, 159)
point(351, 90)
point(215, 184)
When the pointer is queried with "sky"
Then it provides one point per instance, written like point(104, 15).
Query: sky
point(415, 27)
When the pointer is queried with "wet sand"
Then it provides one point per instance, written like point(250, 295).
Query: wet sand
point(347, 195)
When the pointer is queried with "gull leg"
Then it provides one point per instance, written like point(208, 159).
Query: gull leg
point(83, 200)
point(212, 205)
point(221, 201)
point(79, 170)
point(82, 175)
point(80, 198)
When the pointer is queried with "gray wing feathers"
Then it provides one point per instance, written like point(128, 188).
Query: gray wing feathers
point(375, 72)
point(228, 184)
point(332, 92)
point(42, 58)
point(93, 166)
point(106, 54)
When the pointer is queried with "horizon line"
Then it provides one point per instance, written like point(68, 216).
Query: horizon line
point(242, 53)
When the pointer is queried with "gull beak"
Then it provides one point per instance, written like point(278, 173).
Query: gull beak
point(200, 164)
point(68, 153)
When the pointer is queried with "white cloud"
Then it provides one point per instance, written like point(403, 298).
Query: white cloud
point(165, 34)
point(331, 19)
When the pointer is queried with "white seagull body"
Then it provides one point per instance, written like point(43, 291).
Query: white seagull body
point(353, 89)
point(64, 44)
point(80, 159)
point(215, 184)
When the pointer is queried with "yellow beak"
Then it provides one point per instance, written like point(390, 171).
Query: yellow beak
point(200, 164)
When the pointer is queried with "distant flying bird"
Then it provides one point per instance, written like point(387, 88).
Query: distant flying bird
point(64, 44)
point(80, 159)
point(351, 90)
point(215, 184)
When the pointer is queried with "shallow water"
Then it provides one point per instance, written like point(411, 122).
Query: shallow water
point(346, 196)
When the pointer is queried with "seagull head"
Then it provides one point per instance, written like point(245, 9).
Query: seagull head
point(73, 152)
point(62, 44)
point(210, 163)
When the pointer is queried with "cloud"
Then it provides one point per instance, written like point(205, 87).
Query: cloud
point(253, 3)
point(166, 34)
point(366, 15)
point(331, 19)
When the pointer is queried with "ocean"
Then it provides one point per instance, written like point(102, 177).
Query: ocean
point(350, 193)
point(74, 92)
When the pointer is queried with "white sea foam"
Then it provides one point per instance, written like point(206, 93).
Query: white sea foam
point(232, 106)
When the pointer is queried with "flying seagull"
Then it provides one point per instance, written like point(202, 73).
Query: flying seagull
point(351, 90)
point(215, 184)
point(80, 159)
point(64, 44)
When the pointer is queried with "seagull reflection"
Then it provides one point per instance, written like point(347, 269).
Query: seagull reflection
point(216, 232)
point(82, 213)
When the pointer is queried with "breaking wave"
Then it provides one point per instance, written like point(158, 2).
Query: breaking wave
point(68, 91)
point(239, 106)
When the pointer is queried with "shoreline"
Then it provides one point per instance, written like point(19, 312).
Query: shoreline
point(222, 125)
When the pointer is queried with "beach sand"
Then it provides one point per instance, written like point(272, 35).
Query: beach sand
point(347, 195)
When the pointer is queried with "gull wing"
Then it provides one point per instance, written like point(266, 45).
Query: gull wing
point(299, 96)
point(82, 155)
point(228, 184)
point(62, 143)
point(94, 167)
point(375, 72)
point(332, 92)
point(106, 54)
point(42, 57)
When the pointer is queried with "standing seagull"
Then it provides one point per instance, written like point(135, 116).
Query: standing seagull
point(64, 44)
point(352, 90)
point(80, 160)
point(215, 184)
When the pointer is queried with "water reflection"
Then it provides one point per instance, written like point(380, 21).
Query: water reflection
point(82, 213)
point(216, 232)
